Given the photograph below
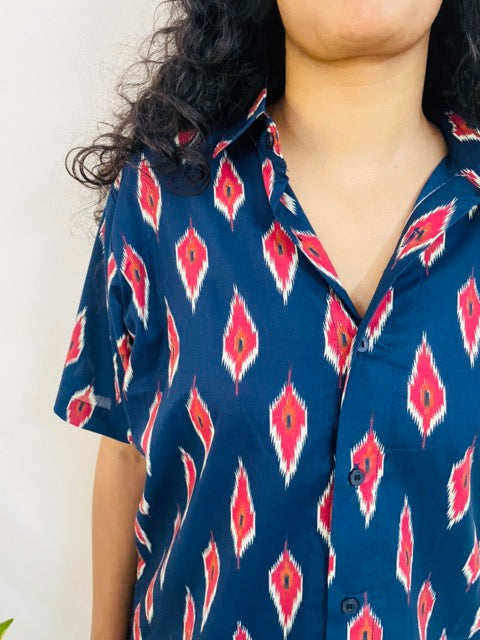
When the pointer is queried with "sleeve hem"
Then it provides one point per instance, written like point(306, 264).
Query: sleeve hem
point(101, 421)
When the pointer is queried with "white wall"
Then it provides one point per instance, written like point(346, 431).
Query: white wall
point(59, 62)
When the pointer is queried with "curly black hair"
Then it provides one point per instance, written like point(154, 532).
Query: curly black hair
point(206, 65)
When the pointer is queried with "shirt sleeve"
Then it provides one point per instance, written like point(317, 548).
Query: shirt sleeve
point(90, 393)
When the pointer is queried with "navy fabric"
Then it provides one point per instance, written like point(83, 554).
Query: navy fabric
point(311, 473)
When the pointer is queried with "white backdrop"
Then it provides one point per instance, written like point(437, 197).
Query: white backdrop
point(59, 62)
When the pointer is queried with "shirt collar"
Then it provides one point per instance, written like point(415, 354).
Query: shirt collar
point(451, 193)
point(461, 135)
point(463, 140)
point(225, 137)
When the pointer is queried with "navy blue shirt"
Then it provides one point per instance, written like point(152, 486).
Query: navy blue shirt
point(311, 473)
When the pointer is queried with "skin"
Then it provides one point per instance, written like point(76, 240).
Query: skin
point(357, 144)
point(120, 475)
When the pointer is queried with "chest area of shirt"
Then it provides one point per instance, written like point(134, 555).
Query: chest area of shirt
point(358, 229)
point(236, 317)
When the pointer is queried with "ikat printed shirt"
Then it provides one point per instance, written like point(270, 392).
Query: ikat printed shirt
point(310, 473)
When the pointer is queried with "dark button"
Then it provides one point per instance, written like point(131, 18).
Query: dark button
point(356, 477)
point(349, 605)
point(269, 139)
point(362, 345)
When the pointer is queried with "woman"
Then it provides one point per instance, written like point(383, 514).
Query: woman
point(282, 315)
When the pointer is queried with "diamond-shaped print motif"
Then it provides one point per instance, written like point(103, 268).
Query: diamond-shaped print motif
point(191, 256)
point(240, 339)
point(285, 582)
point(365, 625)
point(468, 313)
point(242, 513)
point(368, 455)
point(228, 189)
point(426, 399)
point(280, 254)
point(288, 428)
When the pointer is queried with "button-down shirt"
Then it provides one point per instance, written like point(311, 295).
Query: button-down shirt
point(310, 473)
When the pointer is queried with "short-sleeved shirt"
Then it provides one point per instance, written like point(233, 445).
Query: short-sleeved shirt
point(310, 473)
